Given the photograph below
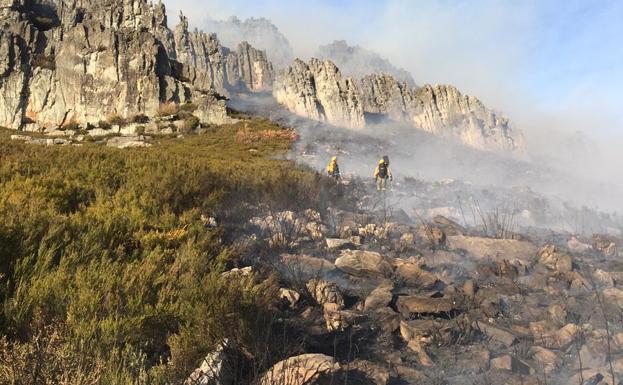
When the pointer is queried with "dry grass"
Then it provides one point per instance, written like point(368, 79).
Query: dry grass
point(168, 109)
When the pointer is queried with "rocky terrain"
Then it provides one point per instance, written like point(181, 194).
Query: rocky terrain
point(199, 253)
point(357, 62)
point(379, 298)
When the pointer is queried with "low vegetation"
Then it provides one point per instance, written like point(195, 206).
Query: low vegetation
point(108, 274)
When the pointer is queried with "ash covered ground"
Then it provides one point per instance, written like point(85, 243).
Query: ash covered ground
point(471, 268)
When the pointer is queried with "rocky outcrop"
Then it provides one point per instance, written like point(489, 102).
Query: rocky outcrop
point(203, 57)
point(443, 110)
point(248, 68)
point(77, 62)
point(318, 91)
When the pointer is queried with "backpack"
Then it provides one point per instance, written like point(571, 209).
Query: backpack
point(383, 170)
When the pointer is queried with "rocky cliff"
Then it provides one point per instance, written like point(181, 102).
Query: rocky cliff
point(77, 61)
point(248, 68)
point(318, 91)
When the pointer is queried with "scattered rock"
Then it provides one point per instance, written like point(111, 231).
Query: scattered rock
point(325, 292)
point(364, 264)
point(238, 272)
point(412, 275)
point(338, 243)
point(559, 339)
point(337, 319)
point(379, 297)
point(546, 359)
point(551, 258)
point(412, 305)
point(496, 333)
point(290, 296)
point(299, 370)
point(495, 249)
point(214, 369)
point(377, 373)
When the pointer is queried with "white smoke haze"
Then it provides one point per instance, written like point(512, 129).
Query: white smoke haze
point(501, 52)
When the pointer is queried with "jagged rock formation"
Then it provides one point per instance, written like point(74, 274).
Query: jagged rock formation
point(358, 62)
point(260, 33)
point(77, 61)
point(248, 68)
point(318, 91)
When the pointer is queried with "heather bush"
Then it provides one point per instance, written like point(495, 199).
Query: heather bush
point(107, 272)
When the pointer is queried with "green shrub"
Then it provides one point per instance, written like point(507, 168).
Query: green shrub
point(104, 125)
point(108, 249)
point(188, 107)
point(140, 118)
point(191, 123)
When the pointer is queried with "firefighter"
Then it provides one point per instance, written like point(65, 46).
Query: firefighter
point(333, 170)
point(382, 174)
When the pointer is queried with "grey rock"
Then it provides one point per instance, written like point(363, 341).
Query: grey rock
point(214, 369)
point(364, 264)
point(318, 91)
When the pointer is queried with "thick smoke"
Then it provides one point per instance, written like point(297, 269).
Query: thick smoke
point(487, 49)
point(355, 61)
point(437, 176)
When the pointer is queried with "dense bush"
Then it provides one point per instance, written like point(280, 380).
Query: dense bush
point(107, 272)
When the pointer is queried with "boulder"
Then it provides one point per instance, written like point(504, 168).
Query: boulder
point(290, 296)
point(214, 369)
point(364, 264)
point(338, 243)
point(303, 267)
point(547, 360)
point(559, 339)
point(550, 257)
point(380, 297)
point(417, 336)
point(338, 319)
point(494, 249)
point(449, 226)
point(496, 333)
point(127, 142)
point(325, 292)
point(238, 272)
point(412, 275)
point(603, 278)
point(413, 305)
point(304, 369)
point(614, 295)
